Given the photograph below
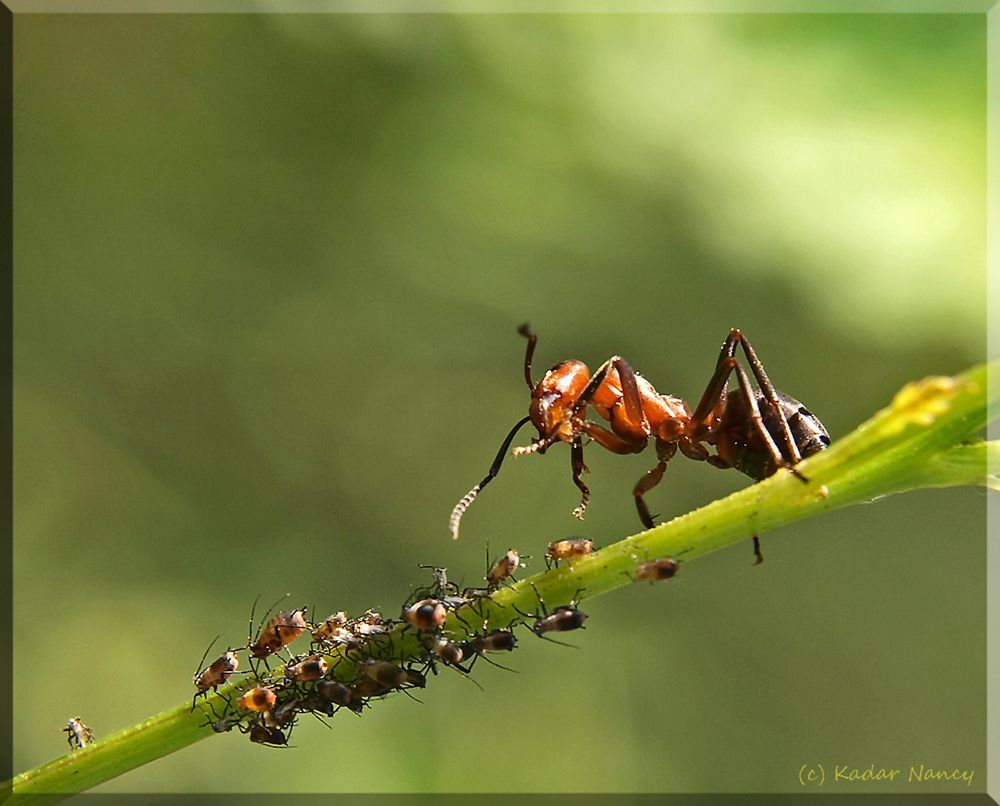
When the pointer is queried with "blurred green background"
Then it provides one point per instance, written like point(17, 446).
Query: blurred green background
point(268, 275)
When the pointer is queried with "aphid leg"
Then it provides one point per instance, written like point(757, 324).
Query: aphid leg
point(466, 500)
point(758, 556)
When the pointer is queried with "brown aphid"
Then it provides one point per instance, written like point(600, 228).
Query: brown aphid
point(427, 614)
point(327, 629)
point(655, 570)
point(280, 631)
point(257, 699)
point(365, 687)
point(384, 673)
point(415, 679)
point(569, 549)
point(449, 652)
point(307, 670)
point(503, 568)
point(220, 670)
point(78, 735)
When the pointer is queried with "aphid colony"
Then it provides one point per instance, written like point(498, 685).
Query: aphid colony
point(352, 661)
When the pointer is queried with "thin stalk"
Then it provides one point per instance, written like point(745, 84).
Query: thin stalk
point(926, 437)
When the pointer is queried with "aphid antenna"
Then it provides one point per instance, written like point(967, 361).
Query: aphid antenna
point(494, 663)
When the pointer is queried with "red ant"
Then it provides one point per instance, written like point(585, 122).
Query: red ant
point(757, 431)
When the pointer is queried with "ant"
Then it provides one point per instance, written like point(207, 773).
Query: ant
point(754, 430)
point(78, 735)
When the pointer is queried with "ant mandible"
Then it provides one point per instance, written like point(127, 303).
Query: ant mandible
point(756, 431)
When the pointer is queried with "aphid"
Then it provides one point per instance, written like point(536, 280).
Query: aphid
point(225, 723)
point(560, 619)
point(78, 735)
point(415, 679)
point(327, 630)
point(427, 614)
point(217, 673)
point(654, 570)
point(384, 673)
point(370, 624)
point(262, 734)
point(280, 631)
point(367, 687)
point(496, 641)
point(307, 670)
point(340, 694)
point(449, 652)
point(259, 699)
point(755, 430)
point(568, 549)
point(503, 569)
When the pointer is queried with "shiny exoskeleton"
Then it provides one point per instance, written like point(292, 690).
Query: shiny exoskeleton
point(78, 735)
point(756, 430)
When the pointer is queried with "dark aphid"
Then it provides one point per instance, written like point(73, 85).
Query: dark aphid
point(226, 722)
point(307, 670)
point(561, 619)
point(259, 699)
point(366, 687)
point(78, 735)
point(340, 694)
point(503, 569)
point(654, 570)
point(756, 430)
point(496, 641)
point(427, 614)
point(280, 631)
point(262, 734)
point(283, 715)
point(568, 549)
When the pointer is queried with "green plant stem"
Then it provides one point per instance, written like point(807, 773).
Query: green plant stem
point(925, 438)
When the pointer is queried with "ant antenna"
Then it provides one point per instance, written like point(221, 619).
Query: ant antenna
point(466, 500)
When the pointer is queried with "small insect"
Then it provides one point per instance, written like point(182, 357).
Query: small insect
point(755, 430)
point(262, 734)
point(569, 549)
point(307, 670)
point(259, 699)
point(216, 673)
point(370, 624)
point(340, 694)
point(495, 641)
point(384, 673)
point(450, 653)
point(560, 619)
point(280, 631)
point(426, 615)
point(655, 570)
point(327, 630)
point(224, 723)
point(78, 735)
point(504, 568)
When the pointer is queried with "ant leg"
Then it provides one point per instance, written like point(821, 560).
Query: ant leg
point(750, 401)
point(771, 396)
point(466, 500)
point(576, 456)
point(664, 452)
point(529, 334)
